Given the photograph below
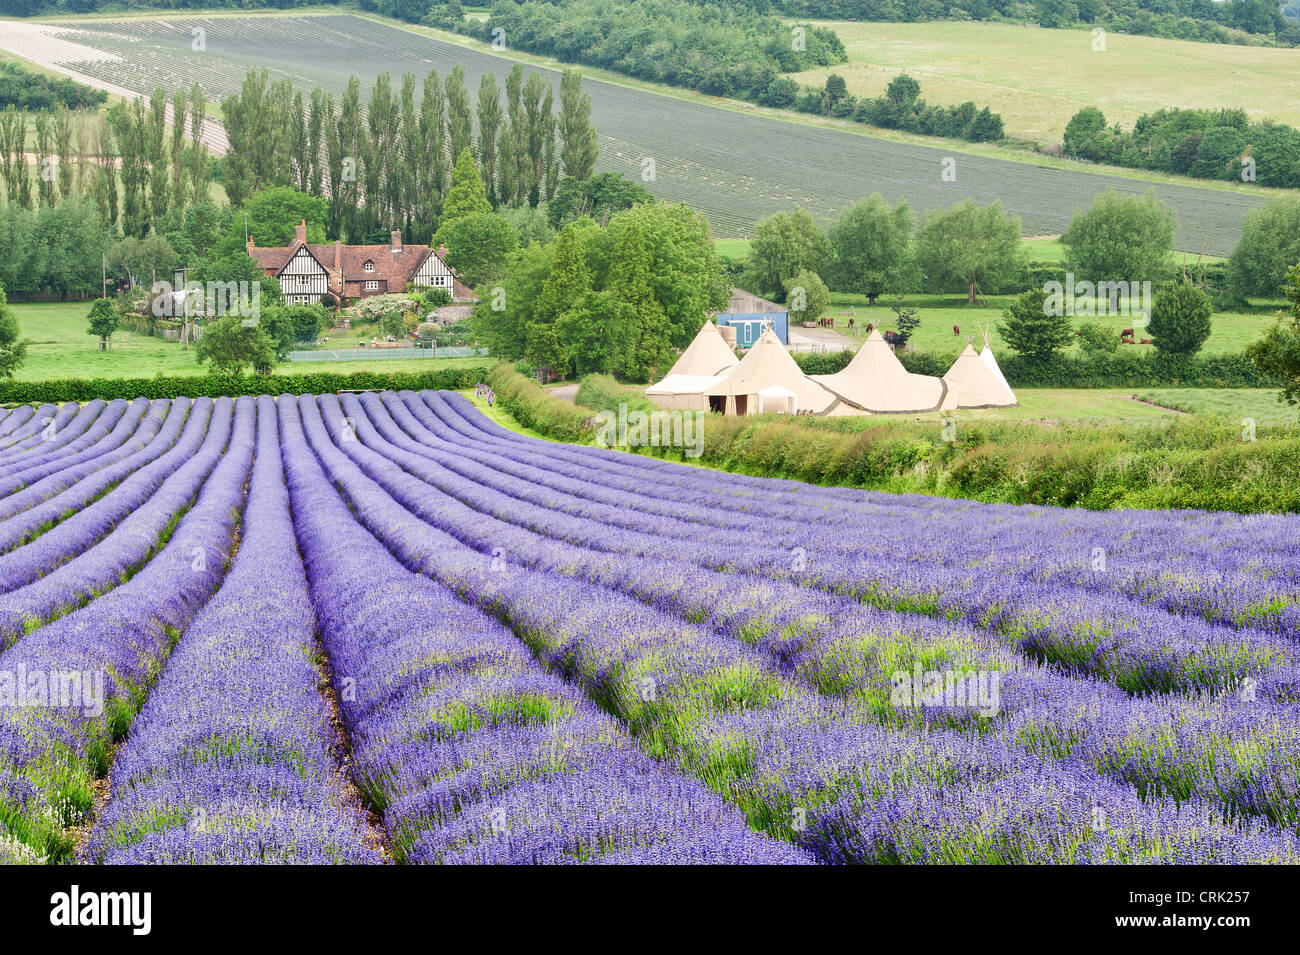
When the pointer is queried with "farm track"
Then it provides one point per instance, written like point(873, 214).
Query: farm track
point(734, 166)
point(546, 653)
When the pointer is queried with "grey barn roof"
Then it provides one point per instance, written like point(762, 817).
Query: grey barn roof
point(747, 303)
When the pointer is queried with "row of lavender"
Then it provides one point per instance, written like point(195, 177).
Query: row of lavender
point(468, 749)
point(715, 652)
point(643, 638)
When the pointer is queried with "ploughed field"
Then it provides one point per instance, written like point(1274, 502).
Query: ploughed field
point(734, 165)
point(382, 628)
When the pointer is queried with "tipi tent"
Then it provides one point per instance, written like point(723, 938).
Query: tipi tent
point(986, 356)
point(978, 386)
point(767, 363)
point(778, 399)
point(875, 382)
point(701, 366)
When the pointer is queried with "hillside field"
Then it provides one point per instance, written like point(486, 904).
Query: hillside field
point(1037, 79)
point(735, 164)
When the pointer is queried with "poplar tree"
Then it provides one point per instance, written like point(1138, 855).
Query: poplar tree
point(180, 105)
point(434, 166)
point(513, 158)
point(459, 119)
point(156, 145)
point(44, 172)
point(489, 123)
point(579, 149)
point(63, 149)
point(199, 178)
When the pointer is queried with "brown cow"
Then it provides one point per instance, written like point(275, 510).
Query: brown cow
point(956, 330)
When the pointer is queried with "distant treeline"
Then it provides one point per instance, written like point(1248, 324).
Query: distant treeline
point(1231, 21)
point(715, 49)
point(1219, 22)
point(900, 108)
point(1208, 144)
point(26, 90)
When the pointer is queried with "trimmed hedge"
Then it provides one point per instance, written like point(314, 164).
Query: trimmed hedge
point(533, 407)
point(215, 386)
point(1128, 369)
point(1197, 461)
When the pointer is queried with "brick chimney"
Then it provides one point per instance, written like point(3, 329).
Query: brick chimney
point(442, 251)
point(338, 263)
point(300, 233)
point(397, 242)
point(250, 245)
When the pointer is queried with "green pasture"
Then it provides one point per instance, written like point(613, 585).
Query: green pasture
point(61, 348)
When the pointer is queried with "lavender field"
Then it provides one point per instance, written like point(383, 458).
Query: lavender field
point(381, 628)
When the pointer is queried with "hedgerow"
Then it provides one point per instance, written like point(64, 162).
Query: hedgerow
point(1199, 461)
point(215, 386)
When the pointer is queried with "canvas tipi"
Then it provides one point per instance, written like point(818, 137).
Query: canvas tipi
point(977, 385)
point(875, 382)
point(701, 366)
point(986, 356)
point(765, 365)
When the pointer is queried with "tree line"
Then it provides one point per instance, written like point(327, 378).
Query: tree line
point(901, 107)
point(1207, 144)
point(23, 89)
point(1206, 20)
point(133, 163)
point(384, 163)
point(711, 47)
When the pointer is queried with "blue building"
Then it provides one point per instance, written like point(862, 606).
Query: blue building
point(749, 315)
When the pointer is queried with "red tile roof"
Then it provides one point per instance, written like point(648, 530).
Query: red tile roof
point(395, 264)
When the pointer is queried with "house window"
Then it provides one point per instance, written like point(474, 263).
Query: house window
point(370, 266)
point(372, 285)
point(301, 299)
point(304, 280)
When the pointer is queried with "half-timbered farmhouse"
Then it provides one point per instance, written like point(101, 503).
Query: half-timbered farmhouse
point(307, 272)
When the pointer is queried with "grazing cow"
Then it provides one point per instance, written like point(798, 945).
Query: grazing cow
point(871, 327)
point(1126, 333)
point(850, 323)
point(956, 330)
point(1146, 341)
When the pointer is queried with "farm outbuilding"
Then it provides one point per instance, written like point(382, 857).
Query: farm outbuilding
point(875, 382)
point(976, 384)
point(703, 364)
point(749, 315)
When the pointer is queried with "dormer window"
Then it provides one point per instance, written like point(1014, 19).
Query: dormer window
point(369, 266)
